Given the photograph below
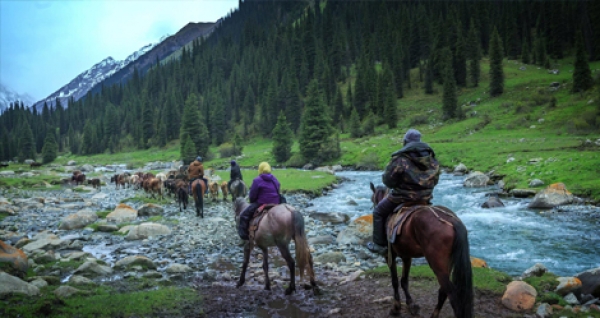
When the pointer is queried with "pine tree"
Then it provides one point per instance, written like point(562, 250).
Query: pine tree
point(390, 114)
point(161, 135)
point(88, 138)
point(429, 77)
point(496, 69)
point(147, 120)
point(188, 150)
point(460, 60)
point(474, 55)
point(525, 52)
point(315, 128)
point(237, 145)
point(355, 129)
point(282, 139)
point(368, 126)
point(582, 76)
point(193, 126)
point(26, 143)
point(50, 149)
point(449, 100)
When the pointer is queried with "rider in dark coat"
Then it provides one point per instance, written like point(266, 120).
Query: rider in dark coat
point(235, 174)
point(411, 176)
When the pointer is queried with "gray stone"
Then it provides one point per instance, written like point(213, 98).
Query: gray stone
point(78, 220)
point(122, 213)
point(107, 228)
point(555, 84)
point(39, 283)
point(87, 168)
point(554, 195)
point(567, 285)
point(178, 268)
point(308, 166)
point(331, 257)
point(92, 268)
point(461, 169)
point(100, 196)
point(590, 282)
point(80, 280)
point(476, 179)
point(12, 285)
point(72, 163)
point(152, 274)
point(492, 202)
point(209, 276)
point(523, 193)
point(46, 244)
point(536, 183)
point(536, 270)
point(146, 230)
point(544, 311)
point(135, 260)
point(321, 239)
point(150, 209)
point(7, 173)
point(28, 161)
point(333, 217)
point(571, 299)
point(68, 291)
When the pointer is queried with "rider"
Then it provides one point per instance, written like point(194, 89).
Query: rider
point(235, 174)
point(196, 171)
point(411, 175)
point(264, 190)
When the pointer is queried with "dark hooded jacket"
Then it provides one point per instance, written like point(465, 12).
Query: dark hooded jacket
point(235, 173)
point(412, 173)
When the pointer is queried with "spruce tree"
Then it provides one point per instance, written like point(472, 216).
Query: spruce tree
point(355, 129)
point(390, 115)
point(50, 149)
point(525, 52)
point(193, 126)
point(187, 150)
point(429, 77)
point(449, 100)
point(368, 126)
point(237, 145)
point(315, 127)
point(474, 55)
point(460, 60)
point(147, 120)
point(88, 139)
point(582, 76)
point(282, 139)
point(496, 69)
point(161, 134)
point(26, 143)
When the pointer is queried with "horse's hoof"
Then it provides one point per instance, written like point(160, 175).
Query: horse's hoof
point(414, 309)
point(288, 291)
point(316, 291)
point(267, 287)
point(239, 284)
point(395, 311)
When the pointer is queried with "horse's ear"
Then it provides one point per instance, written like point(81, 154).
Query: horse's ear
point(372, 186)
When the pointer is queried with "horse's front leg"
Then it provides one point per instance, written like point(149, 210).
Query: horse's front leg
point(395, 311)
point(266, 268)
point(412, 307)
point(247, 249)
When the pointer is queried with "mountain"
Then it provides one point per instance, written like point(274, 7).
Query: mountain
point(8, 96)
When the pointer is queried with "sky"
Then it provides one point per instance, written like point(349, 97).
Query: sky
point(45, 44)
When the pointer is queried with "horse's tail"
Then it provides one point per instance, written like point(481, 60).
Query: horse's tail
point(199, 194)
point(302, 249)
point(240, 189)
point(461, 271)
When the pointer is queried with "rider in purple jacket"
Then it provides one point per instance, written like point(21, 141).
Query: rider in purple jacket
point(264, 190)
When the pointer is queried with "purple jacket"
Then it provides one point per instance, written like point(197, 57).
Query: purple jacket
point(264, 189)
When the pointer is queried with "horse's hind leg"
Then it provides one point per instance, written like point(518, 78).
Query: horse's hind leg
point(285, 252)
point(395, 311)
point(266, 267)
point(247, 249)
point(412, 307)
point(313, 283)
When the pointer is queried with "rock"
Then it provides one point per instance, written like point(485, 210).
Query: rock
point(7, 173)
point(28, 161)
point(178, 268)
point(571, 299)
point(308, 166)
point(523, 193)
point(68, 291)
point(476, 179)
point(321, 239)
point(461, 169)
point(554, 195)
point(135, 260)
point(122, 213)
point(333, 217)
point(590, 282)
point(555, 84)
point(386, 299)
point(331, 257)
point(354, 276)
point(336, 168)
point(522, 68)
point(209, 276)
point(146, 230)
point(107, 228)
point(87, 168)
point(12, 285)
point(544, 311)
point(100, 196)
point(536, 183)
point(39, 283)
point(45, 258)
point(78, 220)
point(334, 311)
point(46, 244)
point(492, 202)
point(152, 274)
point(150, 209)
point(519, 296)
point(325, 169)
point(554, 71)
point(567, 285)
point(80, 280)
point(72, 163)
point(92, 268)
point(357, 232)
point(510, 159)
point(536, 270)
point(352, 202)
point(13, 260)
point(597, 142)
point(478, 262)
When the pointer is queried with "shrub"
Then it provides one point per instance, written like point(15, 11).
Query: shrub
point(486, 120)
point(368, 161)
point(522, 109)
point(296, 160)
point(227, 150)
point(419, 120)
point(540, 99)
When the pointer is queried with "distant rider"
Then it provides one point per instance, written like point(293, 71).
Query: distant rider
point(235, 174)
point(196, 171)
point(264, 190)
point(411, 175)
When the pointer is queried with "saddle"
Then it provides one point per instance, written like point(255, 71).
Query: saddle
point(258, 216)
point(397, 219)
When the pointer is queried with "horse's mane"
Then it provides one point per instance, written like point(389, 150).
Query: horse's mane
point(238, 203)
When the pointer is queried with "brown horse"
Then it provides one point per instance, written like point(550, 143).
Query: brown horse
point(198, 190)
point(153, 186)
point(35, 164)
point(224, 190)
point(238, 189)
point(436, 233)
point(95, 183)
point(213, 187)
point(182, 196)
point(78, 179)
point(279, 226)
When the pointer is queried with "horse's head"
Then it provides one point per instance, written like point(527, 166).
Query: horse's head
point(239, 205)
point(379, 193)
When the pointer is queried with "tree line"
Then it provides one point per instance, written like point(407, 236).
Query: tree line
point(309, 69)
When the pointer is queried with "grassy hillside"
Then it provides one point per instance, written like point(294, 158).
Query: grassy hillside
point(527, 122)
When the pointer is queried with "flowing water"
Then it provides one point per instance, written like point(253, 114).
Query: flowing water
point(510, 239)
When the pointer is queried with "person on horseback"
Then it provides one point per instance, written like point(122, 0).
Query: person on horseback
point(196, 171)
point(235, 174)
point(411, 175)
point(264, 190)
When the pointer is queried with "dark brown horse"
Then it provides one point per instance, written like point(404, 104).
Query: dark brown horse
point(35, 164)
point(278, 227)
point(78, 179)
point(198, 190)
point(436, 233)
point(95, 183)
point(182, 197)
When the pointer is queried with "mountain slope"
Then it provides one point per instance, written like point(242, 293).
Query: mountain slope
point(8, 96)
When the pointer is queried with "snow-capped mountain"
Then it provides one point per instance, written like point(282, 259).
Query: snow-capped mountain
point(8, 96)
point(81, 84)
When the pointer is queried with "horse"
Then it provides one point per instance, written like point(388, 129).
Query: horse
point(198, 190)
point(35, 164)
point(213, 187)
point(182, 197)
point(224, 190)
point(279, 226)
point(162, 176)
point(119, 180)
point(436, 233)
point(78, 179)
point(238, 189)
point(169, 184)
point(95, 183)
point(134, 181)
point(153, 185)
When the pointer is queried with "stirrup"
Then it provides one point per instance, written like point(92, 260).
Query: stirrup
point(377, 249)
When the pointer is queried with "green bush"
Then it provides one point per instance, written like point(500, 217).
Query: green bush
point(296, 160)
point(227, 150)
point(368, 161)
point(419, 120)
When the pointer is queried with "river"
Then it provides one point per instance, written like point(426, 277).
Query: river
point(509, 239)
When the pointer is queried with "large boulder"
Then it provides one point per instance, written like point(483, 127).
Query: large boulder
point(78, 220)
point(80, 280)
point(178, 268)
point(7, 173)
point(523, 193)
point(567, 285)
point(68, 291)
point(331, 257)
point(92, 269)
point(476, 179)
point(536, 270)
point(135, 260)
point(321, 239)
point(87, 168)
point(12, 285)
point(122, 213)
point(554, 195)
point(590, 282)
point(46, 244)
point(519, 296)
point(13, 260)
point(72, 163)
point(326, 169)
point(146, 230)
point(150, 209)
point(357, 232)
point(492, 202)
point(461, 169)
point(333, 217)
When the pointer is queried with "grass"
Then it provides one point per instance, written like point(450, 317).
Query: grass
point(156, 218)
point(37, 182)
point(103, 302)
point(3, 215)
point(292, 180)
point(102, 214)
point(141, 198)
